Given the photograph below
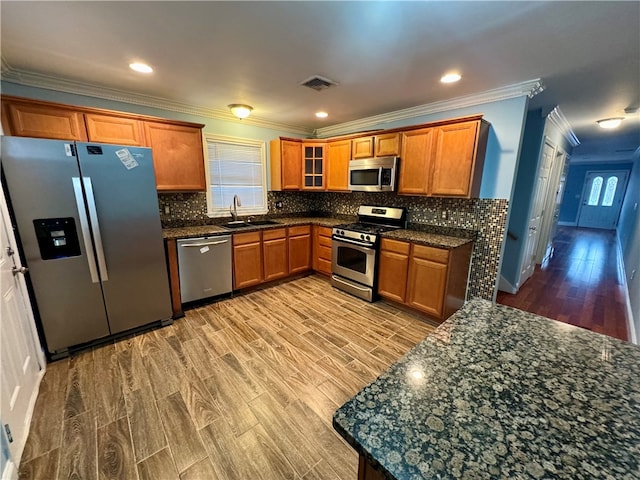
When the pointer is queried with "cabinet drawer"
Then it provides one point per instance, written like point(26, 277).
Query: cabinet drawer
point(325, 231)
point(430, 253)
point(300, 230)
point(324, 252)
point(395, 246)
point(274, 234)
point(244, 238)
point(324, 241)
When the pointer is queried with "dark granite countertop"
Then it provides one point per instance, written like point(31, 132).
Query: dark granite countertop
point(206, 230)
point(499, 393)
point(416, 236)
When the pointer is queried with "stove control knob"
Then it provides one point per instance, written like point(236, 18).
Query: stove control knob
point(368, 238)
point(342, 232)
point(362, 236)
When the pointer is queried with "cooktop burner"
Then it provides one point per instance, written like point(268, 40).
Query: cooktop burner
point(365, 227)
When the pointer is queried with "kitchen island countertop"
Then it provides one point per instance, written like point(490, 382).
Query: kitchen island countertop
point(498, 393)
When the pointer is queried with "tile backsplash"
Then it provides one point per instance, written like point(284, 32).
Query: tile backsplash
point(484, 219)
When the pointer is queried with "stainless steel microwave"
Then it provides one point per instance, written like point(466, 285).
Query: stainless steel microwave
point(373, 174)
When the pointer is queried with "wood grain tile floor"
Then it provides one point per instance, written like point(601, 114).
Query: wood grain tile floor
point(244, 388)
point(581, 285)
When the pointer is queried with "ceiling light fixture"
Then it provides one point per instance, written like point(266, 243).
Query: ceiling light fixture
point(140, 67)
point(322, 114)
point(240, 110)
point(609, 123)
point(450, 77)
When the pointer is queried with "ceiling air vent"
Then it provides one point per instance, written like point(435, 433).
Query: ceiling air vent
point(318, 83)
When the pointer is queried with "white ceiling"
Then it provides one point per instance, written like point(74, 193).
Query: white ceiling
point(386, 56)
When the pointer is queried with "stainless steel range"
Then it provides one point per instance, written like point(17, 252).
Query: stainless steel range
point(355, 246)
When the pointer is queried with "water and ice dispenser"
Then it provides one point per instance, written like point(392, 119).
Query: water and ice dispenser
point(57, 237)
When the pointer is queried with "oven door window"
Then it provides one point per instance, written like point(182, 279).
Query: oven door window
point(353, 259)
point(365, 178)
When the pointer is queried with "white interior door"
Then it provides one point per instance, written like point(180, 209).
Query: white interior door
point(22, 360)
point(552, 200)
point(537, 213)
point(602, 198)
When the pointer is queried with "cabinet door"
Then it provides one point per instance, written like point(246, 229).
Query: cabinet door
point(312, 166)
point(110, 129)
point(387, 145)
point(43, 121)
point(274, 252)
point(178, 157)
point(247, 264)
point(291, 165)
point(393, 270)
point(415, 165)
point(299, 249)
point(427, 280)
point(454, 159)
point(362, 147)
point(338, 165)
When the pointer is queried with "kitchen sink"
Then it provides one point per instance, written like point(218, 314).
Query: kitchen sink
point(255, 223)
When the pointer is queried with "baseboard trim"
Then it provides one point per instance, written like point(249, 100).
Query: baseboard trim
point(631, 327)
point(568, 224)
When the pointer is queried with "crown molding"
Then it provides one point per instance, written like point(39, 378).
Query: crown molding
point(529, 88)
point(47, 82)
point(557, 118)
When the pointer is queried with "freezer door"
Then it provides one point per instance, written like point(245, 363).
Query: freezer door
point(40, 181)
point(123, 207)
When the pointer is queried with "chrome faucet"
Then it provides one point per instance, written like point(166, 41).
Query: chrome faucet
point(234, 208)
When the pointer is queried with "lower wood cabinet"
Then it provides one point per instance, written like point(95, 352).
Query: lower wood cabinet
point(322, 249)
point(299, 249)
point(431, 280)
point(274, 254)
point(247, 259)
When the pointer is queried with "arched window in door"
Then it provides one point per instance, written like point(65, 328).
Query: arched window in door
point(594, 195)
point(610, 191)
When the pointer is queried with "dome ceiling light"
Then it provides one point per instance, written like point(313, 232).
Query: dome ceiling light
point(240, 110)
point(610, 123)
point(140, 67)
point(450, 77)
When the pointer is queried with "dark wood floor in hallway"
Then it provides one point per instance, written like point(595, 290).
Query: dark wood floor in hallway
point(581, 285)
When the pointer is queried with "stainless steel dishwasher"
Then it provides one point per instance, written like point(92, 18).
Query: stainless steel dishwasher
point(205, 267)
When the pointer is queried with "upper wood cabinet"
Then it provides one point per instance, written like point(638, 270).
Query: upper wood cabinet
point(458, 159)
point(32, 118)
point(112, 129)
point(338, 153)
point(286, 164)
point(178, 156)
point(444, 160)
point(387, 145)
point(362, 147)
point(383, 145)
point(313, 165)
point(415, 165)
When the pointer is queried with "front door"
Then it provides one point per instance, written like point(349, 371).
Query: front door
point(602, 199)
point(23, 362)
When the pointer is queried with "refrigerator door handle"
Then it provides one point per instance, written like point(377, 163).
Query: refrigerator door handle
point(84, 226)
point(95, 227)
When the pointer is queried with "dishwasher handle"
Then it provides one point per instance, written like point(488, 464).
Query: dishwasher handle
point(204, 244)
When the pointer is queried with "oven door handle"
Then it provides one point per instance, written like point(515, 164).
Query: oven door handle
point(353, 242)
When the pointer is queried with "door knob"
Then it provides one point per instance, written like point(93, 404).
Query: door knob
point(17, 270)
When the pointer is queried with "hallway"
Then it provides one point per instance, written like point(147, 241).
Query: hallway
point(581, 285)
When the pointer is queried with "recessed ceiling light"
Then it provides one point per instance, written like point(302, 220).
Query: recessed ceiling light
point(141, 67)
point(450, 77)
point(322, 114)
point(610, 122)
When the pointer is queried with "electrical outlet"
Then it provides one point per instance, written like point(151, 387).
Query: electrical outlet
point(279, 204)
point(167, 210)
point(444, 214)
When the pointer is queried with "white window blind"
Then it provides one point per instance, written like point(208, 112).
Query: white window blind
point(235, 167)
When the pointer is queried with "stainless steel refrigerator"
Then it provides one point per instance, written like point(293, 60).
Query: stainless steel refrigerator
point(88, 222)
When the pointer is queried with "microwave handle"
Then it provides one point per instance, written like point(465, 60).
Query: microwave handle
point(380, 178)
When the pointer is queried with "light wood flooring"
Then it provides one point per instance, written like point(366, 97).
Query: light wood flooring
point(244, 388)
point(581, 285)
